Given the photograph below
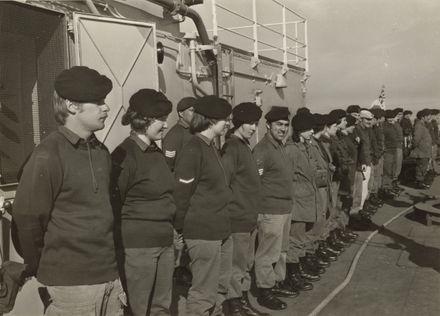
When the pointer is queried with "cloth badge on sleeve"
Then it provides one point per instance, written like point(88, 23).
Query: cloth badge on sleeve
point(186, 181)
point(260, 172)
point(170, 153)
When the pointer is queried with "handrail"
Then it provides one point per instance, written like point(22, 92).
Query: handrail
point(291, 44)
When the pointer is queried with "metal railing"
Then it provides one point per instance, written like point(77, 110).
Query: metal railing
point(294, 50)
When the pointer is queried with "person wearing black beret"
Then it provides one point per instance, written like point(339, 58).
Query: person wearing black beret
point(172, 145)
point(62, 208)
point(398, 112)
point(202, 195)
point(408, 131)
point(274, 211)
point(327, 250)
point(305, 208)
point(144, 202)
point(434, 130)
point(179, 134)
point(422, 147)
point(244, 182)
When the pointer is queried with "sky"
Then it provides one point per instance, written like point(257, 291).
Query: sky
point(356, 46)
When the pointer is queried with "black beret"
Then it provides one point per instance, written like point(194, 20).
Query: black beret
point(303, 122)
point(377, 112)
point(302, 110)
point(185, 103)
point(319, 119)
point(398, 110)
point(353, 108)
point(150, 103)
point(339, 113)
point(351, 120)
point(246, 112)
point(435, 111)
point(213, 107)
point(407, 112)
point(82, 84)
point(423, 113)
point(331, 118)
point(390, 114)
point(277, 113)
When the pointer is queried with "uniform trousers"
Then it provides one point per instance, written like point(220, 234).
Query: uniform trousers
point(271, 253)
point(211, 264)
point(336, 213)
point(421, 168)
point(320, 229)
point(87, 300)
point(300, 241)
point(399, 162)
point(360, 190)
point(149, 277)
point(389, 167)
point(434, 165)
point(377, 175)
point(242, 262)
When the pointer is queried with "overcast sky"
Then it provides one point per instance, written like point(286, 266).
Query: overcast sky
point(355, 46)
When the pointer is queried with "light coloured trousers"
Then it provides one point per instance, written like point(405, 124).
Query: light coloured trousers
point(271, 253)
point(243, 255)
point(360, 191)
point(87, 300)
point(211, 265)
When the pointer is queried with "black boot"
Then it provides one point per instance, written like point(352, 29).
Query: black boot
point(284, 289)
point(335, 243)
point(235, 308)
point(347, 239)
point(267, 299)
point(296, 281)
point(307, 274)
point(247, 308)
point(326, 255)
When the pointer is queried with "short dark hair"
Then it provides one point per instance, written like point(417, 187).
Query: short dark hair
point(137, 122)
point(199, 123)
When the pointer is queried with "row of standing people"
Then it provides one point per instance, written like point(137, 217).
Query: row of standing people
point(292, 199)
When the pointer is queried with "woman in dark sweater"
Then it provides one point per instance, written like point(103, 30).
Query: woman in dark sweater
point(202, 196)
point(146, 205)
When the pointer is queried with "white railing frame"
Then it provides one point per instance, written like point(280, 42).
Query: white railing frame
point(286, 49)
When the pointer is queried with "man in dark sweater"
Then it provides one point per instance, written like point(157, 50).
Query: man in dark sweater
point(172, 145)
point(274, 211)
point(390, 154)
point(179, 134)
point(408, 131)
point(399, 159)
point(62, 207)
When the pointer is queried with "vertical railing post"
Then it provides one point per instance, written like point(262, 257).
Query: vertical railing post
point(306, 50)
point(214, 21)
point(255, 29)
point(284, 37)
point(296, 45)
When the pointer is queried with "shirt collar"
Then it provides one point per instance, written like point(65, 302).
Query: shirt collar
point(142, 145)
point(274, 142)
point(244, 141)
point(70, 135)
point(205, 139)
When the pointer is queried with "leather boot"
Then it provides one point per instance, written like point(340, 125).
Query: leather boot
point(310, 265)
point(317, 262)
point(326, 255)
point(296, 281)
point(325, 250)
point(308, 275)
point(345, 237)
point(248, 309)
point(284, 289)
point(234, 305)
point(267, 299)
point(335, 243)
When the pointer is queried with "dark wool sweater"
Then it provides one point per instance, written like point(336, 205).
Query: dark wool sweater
point(241, 169)
point(145, 185)
point(274, 169)
point(63, 212)
point(365, 156)
point(201, 192)
point(390, 136)
point(173, 142)
point(399, 133)
point(407, 127)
